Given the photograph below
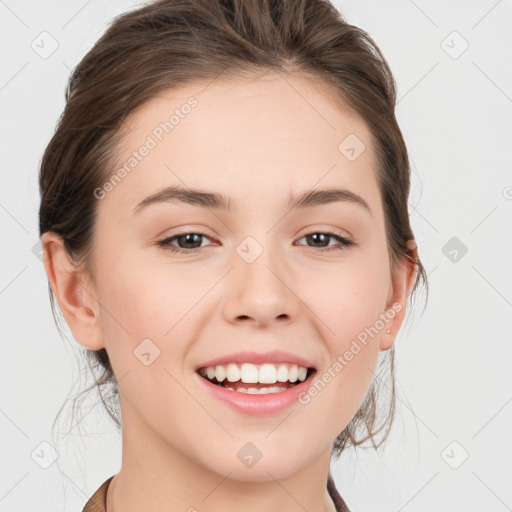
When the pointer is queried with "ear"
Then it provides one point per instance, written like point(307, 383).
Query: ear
point(401, 285)
point(74, 292)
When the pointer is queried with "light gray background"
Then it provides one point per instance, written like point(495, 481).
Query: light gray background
point(453, 363)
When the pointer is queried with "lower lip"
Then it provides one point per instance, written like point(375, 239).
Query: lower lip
point(254, 404)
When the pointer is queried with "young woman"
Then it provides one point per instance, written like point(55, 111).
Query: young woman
point(225, 228)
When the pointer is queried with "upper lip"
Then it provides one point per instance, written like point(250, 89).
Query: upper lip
point(274, 356)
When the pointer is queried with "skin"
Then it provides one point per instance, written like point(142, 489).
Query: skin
point(255, 140)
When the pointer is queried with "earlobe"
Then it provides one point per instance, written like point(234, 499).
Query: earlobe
point(75, 296)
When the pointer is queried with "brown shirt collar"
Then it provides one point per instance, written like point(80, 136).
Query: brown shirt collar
point(98, 501)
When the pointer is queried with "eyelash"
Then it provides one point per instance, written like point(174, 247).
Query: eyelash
point(345, 242)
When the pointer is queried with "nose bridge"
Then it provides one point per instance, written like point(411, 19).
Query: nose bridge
point(259, 264)
point(259, 288)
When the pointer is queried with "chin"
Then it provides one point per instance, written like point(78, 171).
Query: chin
point(247, 463)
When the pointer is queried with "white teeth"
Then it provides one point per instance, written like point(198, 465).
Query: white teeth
point(232, 372)
point(267, 374)
point(220, 373)
point(250, 373)
point(293, 373)
point(282, 373)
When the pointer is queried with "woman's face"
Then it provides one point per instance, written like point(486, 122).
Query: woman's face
point(256, 281)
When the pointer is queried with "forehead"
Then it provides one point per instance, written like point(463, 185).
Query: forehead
point(269, 135)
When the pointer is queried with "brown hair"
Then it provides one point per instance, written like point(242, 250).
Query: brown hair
point(169, 43)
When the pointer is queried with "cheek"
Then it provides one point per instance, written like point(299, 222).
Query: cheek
point(349, 305)
point(147, 335)
point(137, 304)
point(339, 389)
point(143, 296)
point(346, 298)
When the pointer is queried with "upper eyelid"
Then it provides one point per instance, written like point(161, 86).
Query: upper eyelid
point(329, 232)
point(309, 231)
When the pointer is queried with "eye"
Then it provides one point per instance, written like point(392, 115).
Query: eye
point(319, 237)
point(185, 240)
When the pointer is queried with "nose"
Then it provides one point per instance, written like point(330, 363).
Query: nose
point(261, 292)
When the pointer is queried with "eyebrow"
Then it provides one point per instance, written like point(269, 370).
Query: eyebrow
point(218, 201)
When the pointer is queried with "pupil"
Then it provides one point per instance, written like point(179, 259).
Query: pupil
point(316, 236)
point(189, 238)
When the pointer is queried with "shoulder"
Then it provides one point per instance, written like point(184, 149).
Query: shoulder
point(98, 501)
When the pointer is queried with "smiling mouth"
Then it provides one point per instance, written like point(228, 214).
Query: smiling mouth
point(256, 379)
